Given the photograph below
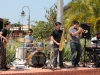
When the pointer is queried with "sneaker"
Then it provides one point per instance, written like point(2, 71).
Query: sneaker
point(75, 66)
point(55, 68)
point(6, 68)
point(78, 65)
point(3, 69)
point(62, 67)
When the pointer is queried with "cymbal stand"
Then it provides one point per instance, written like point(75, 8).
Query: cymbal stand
point(50, 63)
point(50, 58)
point(23, 50)
point(26, 64)
point(45, 65)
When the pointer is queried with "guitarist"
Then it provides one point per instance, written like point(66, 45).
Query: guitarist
point(3, 41)
point(55, 37)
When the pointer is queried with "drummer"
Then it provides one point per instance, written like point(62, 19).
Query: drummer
point(95, 43)
point(29, 37)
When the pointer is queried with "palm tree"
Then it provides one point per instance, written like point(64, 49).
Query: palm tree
point(84, 11)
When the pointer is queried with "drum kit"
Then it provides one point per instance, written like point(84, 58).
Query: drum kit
point(94, 52)
point(27, 56)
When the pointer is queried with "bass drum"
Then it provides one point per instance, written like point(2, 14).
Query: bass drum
point(36, 59)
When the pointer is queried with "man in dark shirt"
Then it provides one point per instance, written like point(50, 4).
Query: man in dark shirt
point(56, 37)
point(3, 42)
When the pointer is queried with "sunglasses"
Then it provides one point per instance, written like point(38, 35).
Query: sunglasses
point(29, 32)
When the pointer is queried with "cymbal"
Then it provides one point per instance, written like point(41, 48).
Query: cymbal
point(23, 40)
point(95, 41)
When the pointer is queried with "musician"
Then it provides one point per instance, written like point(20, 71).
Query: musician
point(96, 46)
point(75, 34)
point(3, 41)
point(55, 37)
point(29, 37)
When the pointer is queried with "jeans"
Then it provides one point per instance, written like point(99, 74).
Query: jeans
point(94, 58)
point(75, 58)
point(2, 57)
point(56, 50)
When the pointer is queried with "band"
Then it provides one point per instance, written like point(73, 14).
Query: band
point(33, 50)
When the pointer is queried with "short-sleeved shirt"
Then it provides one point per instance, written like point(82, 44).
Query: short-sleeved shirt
point(29, 38)
point(57, 36)
point(96, 44)
point(75, 39)
point(4, 31)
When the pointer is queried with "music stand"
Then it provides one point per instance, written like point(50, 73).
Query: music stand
point(85, 35)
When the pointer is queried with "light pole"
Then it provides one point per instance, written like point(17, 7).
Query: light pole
point(19, 22)
point(23, 14)
point(20, 29)
point(60, 11)
point(59, 14)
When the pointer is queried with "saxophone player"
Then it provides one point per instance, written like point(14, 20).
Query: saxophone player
point(75, 34)
point(55, 37)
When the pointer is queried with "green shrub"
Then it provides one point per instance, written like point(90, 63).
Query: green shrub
point(10, 53)
point(11, 50)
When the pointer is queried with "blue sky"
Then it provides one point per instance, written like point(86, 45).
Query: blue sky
point(11, 9)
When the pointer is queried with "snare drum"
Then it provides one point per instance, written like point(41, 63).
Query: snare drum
point(36, 59)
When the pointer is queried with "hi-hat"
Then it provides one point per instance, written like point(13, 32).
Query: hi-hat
point(23, 40)
point(95, 41)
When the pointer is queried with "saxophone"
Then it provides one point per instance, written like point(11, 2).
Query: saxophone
point(62, 41)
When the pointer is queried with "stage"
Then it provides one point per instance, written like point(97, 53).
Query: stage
point(69, 70)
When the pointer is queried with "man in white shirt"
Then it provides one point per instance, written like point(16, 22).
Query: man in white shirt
point(95, 43)
point(96, 40)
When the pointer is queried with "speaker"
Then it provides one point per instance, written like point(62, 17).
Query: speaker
point(1, 23)
point(86, 31)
